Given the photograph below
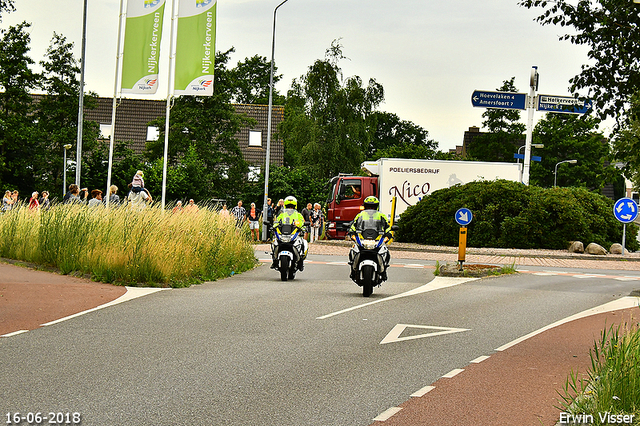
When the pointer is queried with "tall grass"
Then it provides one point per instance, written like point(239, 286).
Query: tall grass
point(613, 383)
point(125, 246)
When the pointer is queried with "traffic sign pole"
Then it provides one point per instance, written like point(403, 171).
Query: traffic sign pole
point(626, 211)
point(533, 86)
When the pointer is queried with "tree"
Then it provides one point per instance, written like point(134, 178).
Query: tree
point(398, 138)
point(6, 6)
point(57, 116)
point(626, 144)
point(204, 127)
point(251, 78)
point(326, 126)
point(505, 132)
point(16, 106)
point(571, 137)
point(611, 29)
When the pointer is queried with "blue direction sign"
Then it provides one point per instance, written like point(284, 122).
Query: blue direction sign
point(533, 157)
point(500, 100)
point(464, 216)
point(564, 104)
point(625, 210)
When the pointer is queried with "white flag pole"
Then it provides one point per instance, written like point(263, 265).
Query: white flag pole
point(169, 98)
point(115, 105)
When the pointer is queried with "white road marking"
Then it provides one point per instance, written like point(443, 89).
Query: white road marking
point(623, 303)
point(132, 293)
point(479, 359)
point(423, 391)
point(15, 333)
point(386, 415)
point(394, 334)
point(453, 373)
point(437, 283)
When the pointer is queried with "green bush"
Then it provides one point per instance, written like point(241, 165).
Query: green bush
point(511, 215)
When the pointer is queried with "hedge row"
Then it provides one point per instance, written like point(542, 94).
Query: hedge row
point(511, 215)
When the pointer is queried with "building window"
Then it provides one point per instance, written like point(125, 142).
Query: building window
point(255, 138)
point(105, 131)
point(153, 133)
point(254, 174)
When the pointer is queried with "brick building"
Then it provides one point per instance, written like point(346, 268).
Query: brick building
point(134, 115)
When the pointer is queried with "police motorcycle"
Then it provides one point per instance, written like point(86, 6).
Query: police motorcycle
point(369, 257)
point(288, 247)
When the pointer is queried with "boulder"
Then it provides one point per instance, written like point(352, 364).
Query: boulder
point(576, 247)
point(594, 248)
point(616, 249)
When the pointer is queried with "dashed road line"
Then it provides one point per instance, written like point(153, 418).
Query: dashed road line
point(453, 373)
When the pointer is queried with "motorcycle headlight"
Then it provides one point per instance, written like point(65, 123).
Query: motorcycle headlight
point(369, 244)
point(286, 238)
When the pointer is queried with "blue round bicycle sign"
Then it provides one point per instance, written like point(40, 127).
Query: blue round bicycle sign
point(625, 210)
point(464, 216)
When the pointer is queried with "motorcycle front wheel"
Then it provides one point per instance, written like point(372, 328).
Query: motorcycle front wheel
point(284, 268)
point(367, 280)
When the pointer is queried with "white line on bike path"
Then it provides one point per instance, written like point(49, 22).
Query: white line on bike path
point(436, 284)
point(132, 293)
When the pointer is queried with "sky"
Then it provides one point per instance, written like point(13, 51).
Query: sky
point(428, 55)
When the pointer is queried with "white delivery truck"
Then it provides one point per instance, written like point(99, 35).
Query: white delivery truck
point(407, 180)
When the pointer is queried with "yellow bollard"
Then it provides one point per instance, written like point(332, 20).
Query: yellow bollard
point(462, 245)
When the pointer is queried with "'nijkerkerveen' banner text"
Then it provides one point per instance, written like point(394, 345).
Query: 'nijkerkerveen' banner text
point(195, 47)
point(143, 32)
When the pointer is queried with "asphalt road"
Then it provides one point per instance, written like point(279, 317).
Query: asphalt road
point(253, 350)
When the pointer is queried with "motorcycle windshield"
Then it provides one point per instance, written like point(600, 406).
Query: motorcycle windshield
point(369, 228)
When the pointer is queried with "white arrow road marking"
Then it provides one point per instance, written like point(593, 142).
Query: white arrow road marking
point(436, 284)
point(394, 334)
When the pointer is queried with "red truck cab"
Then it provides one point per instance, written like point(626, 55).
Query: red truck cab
point(345, 201)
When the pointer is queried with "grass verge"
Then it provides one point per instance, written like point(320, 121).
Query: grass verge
point(612, 385)
point(128, 247)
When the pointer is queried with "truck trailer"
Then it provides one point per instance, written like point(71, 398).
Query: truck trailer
point(406, 179)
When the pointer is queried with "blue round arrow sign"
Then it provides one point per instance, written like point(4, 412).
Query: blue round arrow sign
point(464, 216)
point(625, 210)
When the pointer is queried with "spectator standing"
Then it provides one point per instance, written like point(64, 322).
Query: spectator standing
point(15, 196)
point(7, 201)
point(253, 217)
point(192, 207)
point(239, 213)
point(34, 204)
point(139, 200)
point(75, 197)
point(114, 198)
point(270, 216)
point(96, 198)
point(306, 213)
point(45, 203)
point(316, 219)
point(177, 208)
point(279, 208)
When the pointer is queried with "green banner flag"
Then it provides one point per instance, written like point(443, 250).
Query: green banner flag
point(141, 54)
point(195, 47)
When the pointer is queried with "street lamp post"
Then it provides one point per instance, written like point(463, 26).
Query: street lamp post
point(64, 169)
point(535, 145)
point(555, 172)
point(266, 166)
